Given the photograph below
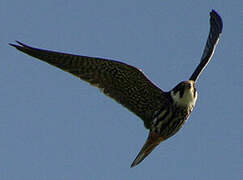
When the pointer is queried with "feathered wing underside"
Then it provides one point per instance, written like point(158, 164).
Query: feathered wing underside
point(122, 82)
point(216, 26)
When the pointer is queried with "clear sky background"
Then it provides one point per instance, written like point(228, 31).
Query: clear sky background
point(55, 127)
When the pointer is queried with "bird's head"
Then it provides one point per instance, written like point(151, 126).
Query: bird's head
point(184, 94)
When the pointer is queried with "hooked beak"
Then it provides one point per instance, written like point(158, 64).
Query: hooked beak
point(153, 140)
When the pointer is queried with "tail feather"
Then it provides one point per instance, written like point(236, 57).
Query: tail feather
point(153, 140)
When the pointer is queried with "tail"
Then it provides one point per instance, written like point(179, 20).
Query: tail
point(153, 140)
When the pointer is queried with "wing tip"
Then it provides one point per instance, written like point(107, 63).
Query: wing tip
point(18, 45)
point(216, 19)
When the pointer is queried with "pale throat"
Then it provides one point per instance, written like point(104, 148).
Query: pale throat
point(188, 99)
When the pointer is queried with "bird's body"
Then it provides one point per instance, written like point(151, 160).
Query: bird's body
point(163, 113)
point(181, 106)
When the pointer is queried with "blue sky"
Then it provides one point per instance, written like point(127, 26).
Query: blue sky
point(55, 127)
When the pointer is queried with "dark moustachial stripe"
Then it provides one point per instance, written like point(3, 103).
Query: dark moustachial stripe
point(182, 91)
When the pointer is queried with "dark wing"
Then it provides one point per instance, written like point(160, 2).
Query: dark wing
point(216, 26)
point(124, 83)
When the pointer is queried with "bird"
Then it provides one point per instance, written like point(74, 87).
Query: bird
point(163, 112)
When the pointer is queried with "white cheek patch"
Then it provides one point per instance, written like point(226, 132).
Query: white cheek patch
point(176, 96)
point(187, 99)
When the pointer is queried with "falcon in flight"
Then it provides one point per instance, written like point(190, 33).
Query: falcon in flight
point(163, 113)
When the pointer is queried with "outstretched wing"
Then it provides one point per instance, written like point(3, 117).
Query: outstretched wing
point(216, 26)
point(124, 83)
